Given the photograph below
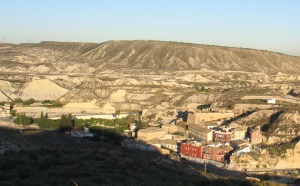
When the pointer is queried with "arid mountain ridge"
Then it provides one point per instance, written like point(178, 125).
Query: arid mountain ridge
point(69, 57)
point(134, 75)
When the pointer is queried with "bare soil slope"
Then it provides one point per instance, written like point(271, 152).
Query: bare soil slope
point(58, 57)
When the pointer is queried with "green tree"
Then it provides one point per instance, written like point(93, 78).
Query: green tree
point(140, 123)
point(41, 122)
point(130, 118)
point(13, 113)
point(29, 101)
point(117, 113)
point(22, 119)
point(18, 100)
point(65, 122)
point(47, 101)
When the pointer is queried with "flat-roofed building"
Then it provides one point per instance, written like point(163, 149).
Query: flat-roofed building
point(200, 133)
point(199, 117)
point(169, 128)
point(5, 110)
point(239, 133)
point(212, 125)
point(167, 143)
point(222, 137)
point(192, 150)
point(150, 133)
point(219, 154)
point(255, 136)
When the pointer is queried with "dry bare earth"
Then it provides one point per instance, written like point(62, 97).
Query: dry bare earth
point(156, 55)
point(132, 75)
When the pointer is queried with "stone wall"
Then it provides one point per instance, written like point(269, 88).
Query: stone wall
point(201, 117)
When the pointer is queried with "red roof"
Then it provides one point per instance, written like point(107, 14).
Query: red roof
point(77, 129)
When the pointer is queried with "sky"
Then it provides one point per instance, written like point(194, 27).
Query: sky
point(261, 24)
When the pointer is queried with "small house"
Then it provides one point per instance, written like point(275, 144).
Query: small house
point(271, 101)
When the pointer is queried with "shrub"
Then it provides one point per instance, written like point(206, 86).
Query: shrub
point(18, 100)
point(46, 102)
point(22, 119)
point(24, 172)
point(13, 113)
point(29, 101)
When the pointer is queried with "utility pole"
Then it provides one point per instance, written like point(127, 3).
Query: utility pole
point(20, 123)
point(102, 134)
point(205, 166)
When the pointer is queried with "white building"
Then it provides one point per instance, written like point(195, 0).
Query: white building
point(167, 143)
point(80, 133)
point(135, 144)
point(271, 101)
point(5, 110)
point(243, 149)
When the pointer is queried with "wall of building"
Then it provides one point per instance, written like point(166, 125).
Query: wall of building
point(5, 111)
point(216, 154)
point(222, 137)
point(200, 134)
point(146, 136)
point(190, 150)
point(255, 137)
point(199, 117)
point(133, 144)
point(191, 118)
point(169, 128)
point(211, 116)
point(239, 134)
point(101, 116)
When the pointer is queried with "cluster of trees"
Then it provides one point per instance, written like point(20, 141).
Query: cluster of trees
point(48, 103)
point(119, 124)
point(62, 124)
point(22, 119)
point(97, 125)
point(67, 121)
point(26, 102)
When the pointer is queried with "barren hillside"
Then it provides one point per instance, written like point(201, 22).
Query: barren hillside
point(60, 57)
point(134, 75)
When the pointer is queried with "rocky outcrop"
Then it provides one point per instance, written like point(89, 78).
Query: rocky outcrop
point(291, 158)
point(279, 157)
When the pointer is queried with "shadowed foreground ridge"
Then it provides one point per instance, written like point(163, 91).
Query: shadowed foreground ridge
point(51, 158)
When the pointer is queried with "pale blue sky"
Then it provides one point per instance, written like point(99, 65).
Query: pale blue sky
point(262, 24)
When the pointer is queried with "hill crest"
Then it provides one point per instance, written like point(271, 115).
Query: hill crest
point(146, 55)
